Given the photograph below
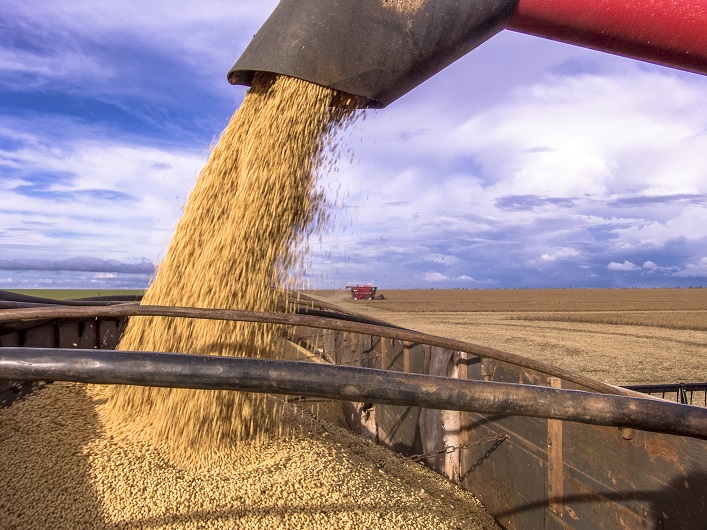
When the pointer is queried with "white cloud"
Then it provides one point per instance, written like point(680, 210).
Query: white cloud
point(200, 37)
point(688, 223)
point(443, 259)
point(649, 265)
point(434, 277)
point(559, 253)
point(577, 143)
point(587, 134)
point(438, 277)
point(118, 200)
point(625, 266)
point(698, 269)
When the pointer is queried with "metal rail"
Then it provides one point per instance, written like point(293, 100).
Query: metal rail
point(131, 310)
point(347, 383)
point(684, 392)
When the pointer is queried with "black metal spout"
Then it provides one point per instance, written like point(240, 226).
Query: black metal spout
point(367, 48)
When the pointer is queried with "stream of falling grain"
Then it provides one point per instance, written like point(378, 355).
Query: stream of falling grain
point(253, 204)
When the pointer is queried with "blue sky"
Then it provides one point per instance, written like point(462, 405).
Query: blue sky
point(527, 163)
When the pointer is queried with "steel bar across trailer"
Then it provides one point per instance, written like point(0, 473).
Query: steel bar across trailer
point(349, 383)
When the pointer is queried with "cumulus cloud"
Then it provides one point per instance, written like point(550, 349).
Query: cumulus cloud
point(434, 277)
point(625, 266)
point(438, 277)
point(117, 199)
point(687, 222)
point(73, 43)
point(649, 200)
point(104, 276)
point(532, 202)
point(559, 253)
point(442, 259)
point(693, 270)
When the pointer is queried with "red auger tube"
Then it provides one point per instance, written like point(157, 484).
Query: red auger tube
point(667, 32)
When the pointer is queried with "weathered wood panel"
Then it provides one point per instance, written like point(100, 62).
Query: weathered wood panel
point(545, 474)
point(399, 428)
point(660, 478)
point(44, 336)
point(507, 478)
point(89, 334)
point(10, 340)
point(109, 332)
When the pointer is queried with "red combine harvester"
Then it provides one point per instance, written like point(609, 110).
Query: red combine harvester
point(365, 292)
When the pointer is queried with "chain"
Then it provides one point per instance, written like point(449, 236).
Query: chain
point(483, 457)
point(448, 449)
point(364, 358)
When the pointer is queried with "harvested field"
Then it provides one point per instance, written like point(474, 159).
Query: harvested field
point(67, 294)
point(530, 300)
point(621, 337)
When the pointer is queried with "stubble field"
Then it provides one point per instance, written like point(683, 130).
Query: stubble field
point(619, 336)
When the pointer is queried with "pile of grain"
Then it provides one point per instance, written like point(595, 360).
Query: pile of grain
point(62, 469)
point(124, 457)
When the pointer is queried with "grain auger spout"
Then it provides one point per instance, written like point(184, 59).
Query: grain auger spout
point(382, 49)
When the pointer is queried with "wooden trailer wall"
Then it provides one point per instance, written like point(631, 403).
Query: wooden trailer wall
point(530, 473)
point(102, 333)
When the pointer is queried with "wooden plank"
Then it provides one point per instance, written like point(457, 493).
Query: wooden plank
point(586, 509)
point(555, 471)
point(394, 355)
point(407, 346)
point(88, 336)
point(432, 438)
point(509, 480)
point(555, 522)
point(350, 352)
point(329, 343)
point(109, 332)
point(488, 368)
point(377, 351)
point(658, 477)
point(369, 353)
point(528, 430)
point(335, 345)
point(531, 433)
point(10, 340)
point(464, 368)
point(385, 346)
point(44, 336)
point(69, 334)
point(432, 430)
point(451, 426)
point(315, 340)
point(398, 428)
point(439, 361)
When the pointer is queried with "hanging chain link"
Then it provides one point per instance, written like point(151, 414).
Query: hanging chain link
point(497, 440)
